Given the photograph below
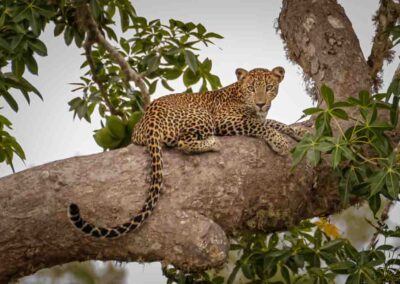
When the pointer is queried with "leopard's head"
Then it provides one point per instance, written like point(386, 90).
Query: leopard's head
point(259, 87)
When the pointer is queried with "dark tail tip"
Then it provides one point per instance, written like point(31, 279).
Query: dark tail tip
point(73, 209)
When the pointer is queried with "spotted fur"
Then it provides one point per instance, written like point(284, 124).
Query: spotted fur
point(190, 122)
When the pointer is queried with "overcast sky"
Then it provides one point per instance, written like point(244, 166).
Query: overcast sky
point(47, 131)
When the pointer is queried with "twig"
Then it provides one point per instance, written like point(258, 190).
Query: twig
point(90, 39)
point(385, 18)
point(381, 222)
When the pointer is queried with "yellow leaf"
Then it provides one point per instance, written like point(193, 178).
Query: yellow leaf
point(329, 229)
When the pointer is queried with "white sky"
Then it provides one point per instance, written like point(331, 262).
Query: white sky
point(47, 131)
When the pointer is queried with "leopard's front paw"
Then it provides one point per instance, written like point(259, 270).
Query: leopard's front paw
point(299, 132)
point(281, 147)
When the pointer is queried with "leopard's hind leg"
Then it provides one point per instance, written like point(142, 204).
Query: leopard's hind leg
point(192, 144)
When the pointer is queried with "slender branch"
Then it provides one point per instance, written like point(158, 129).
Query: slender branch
point(381, 222)
point(385, 18)
point(90, 39)
point(86, 20)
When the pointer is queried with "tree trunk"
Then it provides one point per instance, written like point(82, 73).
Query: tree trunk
point(205, 197)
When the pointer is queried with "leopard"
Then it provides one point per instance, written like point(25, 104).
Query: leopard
point(191, 122)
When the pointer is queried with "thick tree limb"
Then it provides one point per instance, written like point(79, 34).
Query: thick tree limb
point(319, 37)
point(245, 186)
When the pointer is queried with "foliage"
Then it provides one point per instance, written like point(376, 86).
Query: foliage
point(158, 52)
point(8, 145)
point(361, 154)
point(304, 254)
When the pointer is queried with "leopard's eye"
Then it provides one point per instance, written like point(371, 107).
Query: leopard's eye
point(268, 88)
point(250, 88)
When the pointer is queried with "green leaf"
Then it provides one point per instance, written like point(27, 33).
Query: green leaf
point(34, 22)
point(18, 67)
point(374, 203)
point(165, 85)
point(324, 146)
point(152, 87)
point(58, 29)
point(124, 19)
point(203, 87)
point(332, 246)
point(135, 117)
point(95, 9)
point(285, 273)
point(116, 126)
point(31, 64)
point(172, 74)
point(354, 278)
point(214, 81)
point(18, 150)
point(46, 12)
point(68, 35)
point(191, 60)
point(336, 156)
point(392, 184)
point(152, 63)
point(9, 99)
point(345, 187)
point(232, 276)
point(190, 78)
point(5, 45)
point(327, 95)
point(364, 98)
point(339, 113)
point(385, 247)
point(213, 35)
point(381, 125)
point(5, 121)
point(201, 29)
point(377, 182)
point(105, 139)
point(343, 267)
point(206, 66)
point(312, 110)
point(314, 157)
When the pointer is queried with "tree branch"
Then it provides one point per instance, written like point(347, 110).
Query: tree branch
point(320, 38)
point(86, 20)
point(244, 187)
point(90, 39)
point(386, 18)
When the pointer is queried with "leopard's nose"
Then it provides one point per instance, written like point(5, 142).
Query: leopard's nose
point(261, 105)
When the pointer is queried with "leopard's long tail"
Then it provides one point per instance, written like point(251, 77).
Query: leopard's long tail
point(154, 147)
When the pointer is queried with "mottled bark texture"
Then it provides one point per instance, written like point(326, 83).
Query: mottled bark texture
point(320, 38)
point(205, 197)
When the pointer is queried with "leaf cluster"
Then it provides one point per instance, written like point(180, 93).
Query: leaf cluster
point(361, 154)
point(159, 53)
point(303, 255)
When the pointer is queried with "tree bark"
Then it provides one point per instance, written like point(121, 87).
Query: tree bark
point(320, 38)
point(245, 186)
point(205, 197)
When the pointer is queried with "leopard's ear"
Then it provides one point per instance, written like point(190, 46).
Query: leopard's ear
point(279, 72)
point(241, 73)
